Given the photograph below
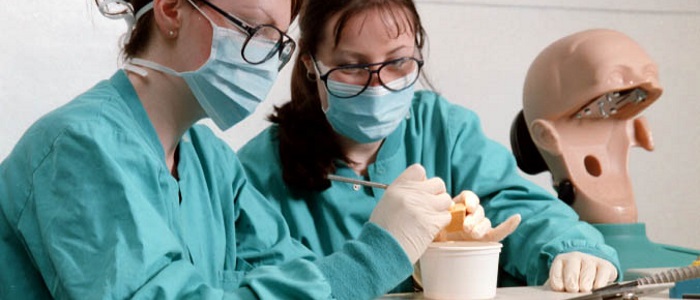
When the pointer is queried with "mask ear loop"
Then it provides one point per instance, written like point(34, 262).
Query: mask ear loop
point(137, 65)
point(127, 15)
point(135, 69)
point(202, 12)
point(315, 63)
point(131, 20)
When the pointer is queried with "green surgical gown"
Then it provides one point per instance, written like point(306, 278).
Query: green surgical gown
point(448, 141)
point(89, 210)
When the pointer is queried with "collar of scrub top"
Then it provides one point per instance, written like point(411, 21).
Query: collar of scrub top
point(131, 99)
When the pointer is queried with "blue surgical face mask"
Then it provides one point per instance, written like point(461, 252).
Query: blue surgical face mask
point(226, 86)
point(370, 116)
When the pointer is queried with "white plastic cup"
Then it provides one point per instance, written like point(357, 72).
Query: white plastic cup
point(460, 270)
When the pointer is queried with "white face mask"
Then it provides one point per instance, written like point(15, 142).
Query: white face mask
point(370, 116)
point(227, 87)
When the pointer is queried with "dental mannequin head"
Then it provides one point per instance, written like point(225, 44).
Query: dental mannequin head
point(581, 101)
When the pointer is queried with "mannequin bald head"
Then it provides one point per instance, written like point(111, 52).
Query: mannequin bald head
point(581, 99)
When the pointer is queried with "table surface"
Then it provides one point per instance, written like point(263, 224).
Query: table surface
point(524, 293)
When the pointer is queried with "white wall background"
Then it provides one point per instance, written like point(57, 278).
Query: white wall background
point(50, 51)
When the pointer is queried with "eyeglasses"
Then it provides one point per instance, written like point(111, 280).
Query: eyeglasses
point(611, 104)
point(394, 75)
point(267, 39)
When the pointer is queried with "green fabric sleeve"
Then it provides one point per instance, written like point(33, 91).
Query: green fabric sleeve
point(368, 266)
point(94, 234)
point(95, 231)
point(362, 268)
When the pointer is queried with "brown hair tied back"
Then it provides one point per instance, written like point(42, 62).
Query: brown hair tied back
point(140, 33)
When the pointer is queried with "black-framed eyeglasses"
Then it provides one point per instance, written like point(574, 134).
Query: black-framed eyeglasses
point(351, 80)
point(263, 42)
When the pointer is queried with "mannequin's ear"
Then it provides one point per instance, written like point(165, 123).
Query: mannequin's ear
point(545, 136)
point(642, 134)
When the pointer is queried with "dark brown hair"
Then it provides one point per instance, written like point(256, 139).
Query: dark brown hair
point(140, 35)
point(308, 146)
point(141, 32)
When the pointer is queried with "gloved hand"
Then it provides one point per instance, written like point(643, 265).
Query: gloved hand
point(413, 210)
point(476, 226)
point(579, 272)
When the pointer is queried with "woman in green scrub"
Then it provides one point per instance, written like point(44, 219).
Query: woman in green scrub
point(118, 195)
point(354, 113)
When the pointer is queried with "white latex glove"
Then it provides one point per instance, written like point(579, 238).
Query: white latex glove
point(476, 226)
point(575, 272)
point(413, 210)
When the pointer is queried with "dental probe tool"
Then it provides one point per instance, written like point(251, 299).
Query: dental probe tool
point(357, 181)
point(458, 211)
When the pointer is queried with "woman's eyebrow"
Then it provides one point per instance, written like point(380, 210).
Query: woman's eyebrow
point(255, 16)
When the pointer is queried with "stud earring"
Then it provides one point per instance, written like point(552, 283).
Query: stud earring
point(171, 33)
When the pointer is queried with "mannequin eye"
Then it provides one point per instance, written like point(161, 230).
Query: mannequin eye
point(616, 78)
point(650, 72)
point(611, 104)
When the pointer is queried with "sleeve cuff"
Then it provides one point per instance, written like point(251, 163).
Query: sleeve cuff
point(366, 267)
point(596, 249)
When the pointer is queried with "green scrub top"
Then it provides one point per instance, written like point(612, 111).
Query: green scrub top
point(448, 141)
point(89, 210)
